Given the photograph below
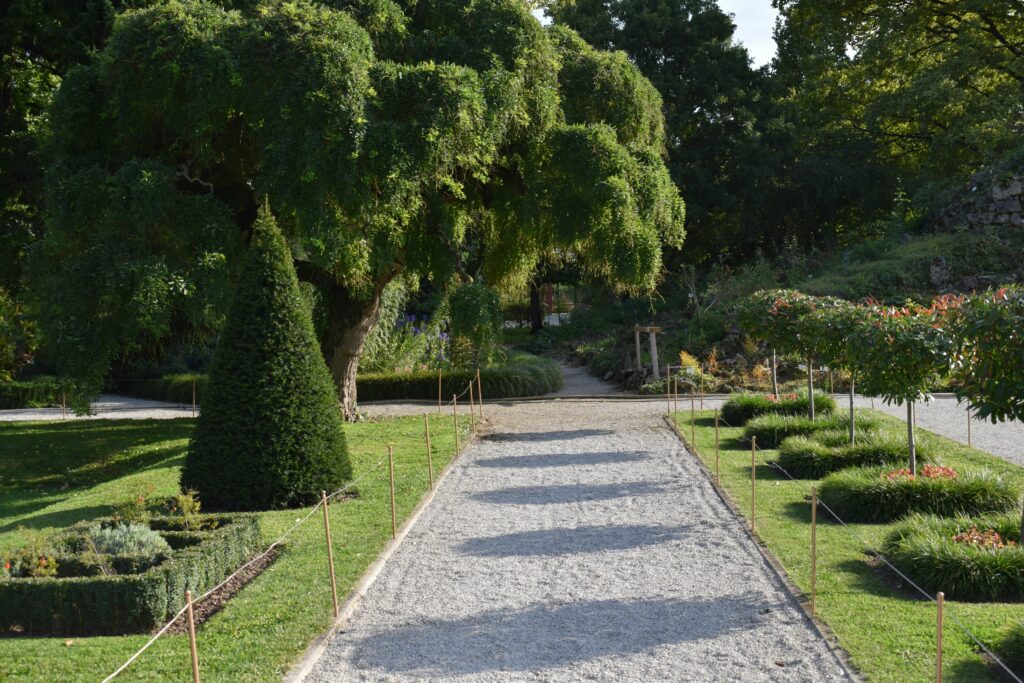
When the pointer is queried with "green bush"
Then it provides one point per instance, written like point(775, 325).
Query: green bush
point(37, 393)
point(1010, 647)
point(813, 457)
point(771, 429)
point(129, 602)
point(866, 495)
point(270, 432)
point(524, 375)
point(922, 547)
point(741, 408)
point(170, 388)
point(126, 539)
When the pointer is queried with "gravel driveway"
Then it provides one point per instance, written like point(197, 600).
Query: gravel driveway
point(576, 541)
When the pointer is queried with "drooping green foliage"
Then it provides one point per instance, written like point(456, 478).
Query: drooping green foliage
point(477, 322)
point(424, 139)
point(270, 434)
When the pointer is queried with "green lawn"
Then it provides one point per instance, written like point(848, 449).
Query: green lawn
point(889, 632)
point(56, 473)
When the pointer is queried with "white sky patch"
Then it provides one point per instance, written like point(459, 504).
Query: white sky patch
point(755, 21)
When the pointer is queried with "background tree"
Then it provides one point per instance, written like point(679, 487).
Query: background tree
point(391, 139)
point(269, 434)
point(830, 326)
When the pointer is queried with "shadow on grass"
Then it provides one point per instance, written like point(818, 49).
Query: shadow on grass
point(871, 575)
point(62, 518)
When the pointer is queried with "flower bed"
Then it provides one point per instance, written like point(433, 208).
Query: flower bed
point(771, 429)
point(741, 408)
point(962, 557)
point(93, 593)
point(823, 453)
point(883, 495)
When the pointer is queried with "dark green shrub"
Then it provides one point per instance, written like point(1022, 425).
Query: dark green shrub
point(270, 432)
point(1010, 647)
point(169, 388)
point(922, 547)
point(771, 429)
point(37, 393)
point(741, 408)
point(812, 457)
point(867, 495)
point(129, 602)
point(524, 375)
point(477, 323)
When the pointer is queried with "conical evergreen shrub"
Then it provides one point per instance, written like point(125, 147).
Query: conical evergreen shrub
point(270, 432)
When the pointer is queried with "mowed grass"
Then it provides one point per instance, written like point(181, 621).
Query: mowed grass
point(888, 629)
point(56, 473)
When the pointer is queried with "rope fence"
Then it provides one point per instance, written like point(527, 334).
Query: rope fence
point(938, 599)
point(325, 499)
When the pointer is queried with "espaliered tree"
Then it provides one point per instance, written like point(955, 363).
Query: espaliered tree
point(900, 353)
point(988, 364)
point(390, 138)
point(829, 327)
point(269, 434)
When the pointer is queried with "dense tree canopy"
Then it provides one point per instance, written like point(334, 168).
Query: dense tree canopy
point(390, 138)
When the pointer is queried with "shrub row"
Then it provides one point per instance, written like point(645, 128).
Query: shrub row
point(867, 495)
point(922, 547)
point(169, 388)
point(118, 604)
point(741, 408)
point(813, 457)
point(772, 429)
point(36, 393)
point(523, 376)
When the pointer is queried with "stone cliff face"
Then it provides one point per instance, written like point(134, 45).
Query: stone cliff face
point(993, 198)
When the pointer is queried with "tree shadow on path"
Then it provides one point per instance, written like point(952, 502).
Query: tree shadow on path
point(562, 459)
point(549, 636)
point(556, 435)
point(556, 542)
point(567, 493)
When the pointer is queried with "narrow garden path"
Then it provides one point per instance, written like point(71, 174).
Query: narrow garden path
point(577, 541)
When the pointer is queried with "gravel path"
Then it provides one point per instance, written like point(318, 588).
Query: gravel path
point(107, 407)
point(576, 381)
point(577, 541)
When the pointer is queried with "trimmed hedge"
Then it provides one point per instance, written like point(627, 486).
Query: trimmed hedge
point(169, 388)
point(865, 495)
point(771, 429)
point(524, 375)
point(922, 547)
point(741, 408)
point(36, 393)
point(813, 457)
point(130, 603)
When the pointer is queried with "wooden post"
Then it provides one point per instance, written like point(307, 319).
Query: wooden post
point(639, 361)
point(814, 548)
point(480, 393)
point(330, 554)
point(810, 386)
point(940, 598)
point(63, 406)
point(193, 397)
point(693, 421)
point(455, 421)
point(472, 408)
point(438, 392)
point(702, 390)
point(668, 389)
point(968, 424)
point(430, 464)
point(391, 471)
point(831, 383)
point(192, 637)
point(718, 479)
point(753, 482)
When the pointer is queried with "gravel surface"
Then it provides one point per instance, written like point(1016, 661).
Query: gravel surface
point(578, 382)
point(577, 541)
point(107, 407)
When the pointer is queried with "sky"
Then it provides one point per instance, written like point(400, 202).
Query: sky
point(755, 20)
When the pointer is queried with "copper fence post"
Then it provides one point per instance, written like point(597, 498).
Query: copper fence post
point(391, 472)
point(192, 637)
point(430, 464)
point(814, 549)
point(940, 598)
point(753, 482)
point(330, 554)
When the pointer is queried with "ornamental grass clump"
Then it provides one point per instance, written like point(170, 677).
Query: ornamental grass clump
point(883, 495)
point(820, 454)
point(742, 408)
point(772, 429)
point(968, 558)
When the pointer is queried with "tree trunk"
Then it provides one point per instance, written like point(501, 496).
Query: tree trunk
point(536, 315)
point(349, 321)
point(910, 438)
point(853, 437)
point(810, 387)
point(775, 374)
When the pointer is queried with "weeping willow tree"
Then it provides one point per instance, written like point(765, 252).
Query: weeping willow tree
point(392, 138)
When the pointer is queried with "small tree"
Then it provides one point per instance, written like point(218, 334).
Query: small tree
point(829, 329)
point(899, 353)
point(988, 365)
point(270, 433)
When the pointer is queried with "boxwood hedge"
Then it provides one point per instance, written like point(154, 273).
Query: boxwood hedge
point(36, 393)
point(867, 495)
point(130, 602)
point(741, 408)
point(170, 388)
point(813, 457)
point(923, 548)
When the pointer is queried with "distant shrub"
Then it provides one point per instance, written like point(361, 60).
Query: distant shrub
point(169, 388)
point(36, 393)
point(813, 457)
point(979, 567)
point(881, 495)
point(741, 408)
point(771, 429)
point(126, 539)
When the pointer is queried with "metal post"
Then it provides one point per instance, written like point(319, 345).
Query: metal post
point(753, 482)
point(940, 598)
point(430, 464)
point(391, 471)
point(192, 637)
point(814, 549)
point(718, 479)
point(330, 554)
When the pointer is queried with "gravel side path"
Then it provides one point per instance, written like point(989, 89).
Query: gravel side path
point(576, 542)
point(576, 381)
point(107, 407)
